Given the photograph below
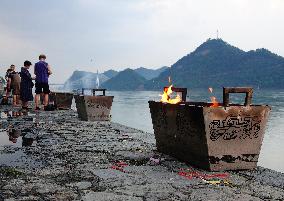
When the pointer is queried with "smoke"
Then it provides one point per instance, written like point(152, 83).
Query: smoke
point(88, 80)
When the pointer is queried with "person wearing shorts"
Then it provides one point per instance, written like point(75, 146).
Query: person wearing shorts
point(42, 71)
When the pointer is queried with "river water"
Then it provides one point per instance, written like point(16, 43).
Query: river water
point(131, 109)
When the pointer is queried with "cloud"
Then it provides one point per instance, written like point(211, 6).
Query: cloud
point(127, 33)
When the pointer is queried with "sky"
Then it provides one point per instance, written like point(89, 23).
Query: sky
point(99, 35)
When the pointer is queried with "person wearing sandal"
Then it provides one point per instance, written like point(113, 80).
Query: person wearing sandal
point(26, 85)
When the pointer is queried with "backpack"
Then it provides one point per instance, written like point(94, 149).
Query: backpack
point(15, 78)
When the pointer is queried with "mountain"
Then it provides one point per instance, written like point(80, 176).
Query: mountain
point(144, 72)
point(83, 79)
point(110, 73)
point(216, 63)
point(127, 80)
point(150, 73)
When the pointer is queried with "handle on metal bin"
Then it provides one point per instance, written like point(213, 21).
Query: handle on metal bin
point(83, 90)
point(182, 90)
point(247, 90)
point(103, 90)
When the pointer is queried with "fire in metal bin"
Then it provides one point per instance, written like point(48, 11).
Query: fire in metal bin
point(62, 100)
point(211, 136)
point(94, 108)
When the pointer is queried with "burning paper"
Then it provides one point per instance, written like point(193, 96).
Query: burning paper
point(166, 96)
point(213, 98)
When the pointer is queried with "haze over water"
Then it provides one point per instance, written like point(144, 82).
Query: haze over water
point(131, 109)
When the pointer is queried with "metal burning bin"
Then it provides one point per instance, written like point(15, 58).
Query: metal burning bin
point(226, 137)
point(94, 108)
point(62, 100)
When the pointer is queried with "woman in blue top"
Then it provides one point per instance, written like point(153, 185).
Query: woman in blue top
point(42, 72)
point(27, 85)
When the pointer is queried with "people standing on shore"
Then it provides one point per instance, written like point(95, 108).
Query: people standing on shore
point(13, 85)
point(26, 85)
point(42, 71)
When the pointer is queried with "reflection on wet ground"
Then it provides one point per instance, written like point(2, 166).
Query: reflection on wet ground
point(11, 134)
point(16, 137)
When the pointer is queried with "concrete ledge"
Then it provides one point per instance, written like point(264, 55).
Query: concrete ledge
point(75, 160)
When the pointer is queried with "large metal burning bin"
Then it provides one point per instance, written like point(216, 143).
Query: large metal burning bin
point(62, 100)
point(94, 108)
point(226, 137)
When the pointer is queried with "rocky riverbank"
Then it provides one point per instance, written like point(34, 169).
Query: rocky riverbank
point(56, 157)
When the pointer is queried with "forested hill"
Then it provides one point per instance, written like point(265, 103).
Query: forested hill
point(216, 63)
point(127, 80)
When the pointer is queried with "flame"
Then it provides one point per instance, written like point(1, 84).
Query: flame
point(166, 96)
point(214, 102)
